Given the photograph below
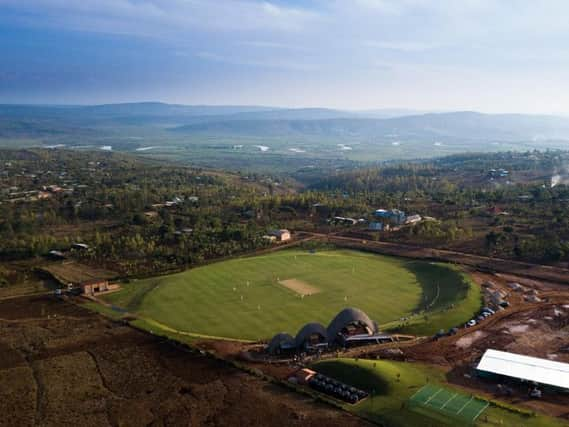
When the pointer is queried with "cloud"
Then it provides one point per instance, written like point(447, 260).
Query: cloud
point(405, 46)
point(383, 6)
point(266, 44)
point(335, 50)
point(156, 17)
point(270, 63)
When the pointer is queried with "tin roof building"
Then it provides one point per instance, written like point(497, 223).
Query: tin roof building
point(527, 368)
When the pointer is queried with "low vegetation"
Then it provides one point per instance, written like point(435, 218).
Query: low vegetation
point(255, 293)
point(142, 216)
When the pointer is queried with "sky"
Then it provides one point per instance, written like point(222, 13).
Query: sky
point(484, 55)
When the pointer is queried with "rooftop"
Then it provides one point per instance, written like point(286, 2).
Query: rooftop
point(528, 368)
point(279, 232)
point(93, 282)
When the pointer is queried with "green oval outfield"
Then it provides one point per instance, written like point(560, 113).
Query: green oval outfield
point(255, 297)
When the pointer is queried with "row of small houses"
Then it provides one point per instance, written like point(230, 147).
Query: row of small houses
point(384, 220)
point(97, 286)
point(91, 287)
point(56, 254)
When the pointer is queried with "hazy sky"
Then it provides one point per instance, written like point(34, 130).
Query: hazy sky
point(486, 55)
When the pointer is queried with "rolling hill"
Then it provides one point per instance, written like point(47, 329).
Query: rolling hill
point(259, 121)
point(461, 125)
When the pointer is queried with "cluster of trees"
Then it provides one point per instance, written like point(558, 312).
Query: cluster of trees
point(117, 205)
point(521, 216)
point(438, 231)
point(539, 248)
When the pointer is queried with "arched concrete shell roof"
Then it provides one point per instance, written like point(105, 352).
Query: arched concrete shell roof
point(346, 317)
point(308, 330)
point(278, 340)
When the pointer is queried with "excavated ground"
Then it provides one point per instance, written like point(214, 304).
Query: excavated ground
point(539, 329)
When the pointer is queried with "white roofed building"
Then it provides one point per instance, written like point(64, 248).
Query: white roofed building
point(532, 369)
point(413, 219)
point(282, 235)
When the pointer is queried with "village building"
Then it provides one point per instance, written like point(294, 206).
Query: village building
point(151, 214)
point(344, 220)
point(413, 219)
point(185, 231)
point(376, 226)
point(495, 210)
point(80, 246)
point(54, 188)
point(281, 235)
point(54, 254)
point(393, 216)
point(43, 195)
point(95, 286)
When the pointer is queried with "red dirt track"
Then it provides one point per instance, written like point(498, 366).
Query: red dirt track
point(498, 265)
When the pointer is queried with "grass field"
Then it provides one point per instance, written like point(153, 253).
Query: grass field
point(449, 298)
point(455, 404)
point(245, 297)
point(391, 385)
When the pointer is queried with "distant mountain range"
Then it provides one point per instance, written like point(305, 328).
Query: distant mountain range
point(259, 121)
point(454, 125)
point(155, 110)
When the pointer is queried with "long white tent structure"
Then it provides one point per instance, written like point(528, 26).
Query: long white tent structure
point(541, 371)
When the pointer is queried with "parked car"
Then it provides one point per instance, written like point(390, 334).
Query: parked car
point(440, 334)
point(470, 323)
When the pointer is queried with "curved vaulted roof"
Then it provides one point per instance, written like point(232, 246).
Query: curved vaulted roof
point(278, 340)
point(346, 317)
point(308, 330)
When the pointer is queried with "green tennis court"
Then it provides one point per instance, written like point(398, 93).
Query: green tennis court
point(449, 402)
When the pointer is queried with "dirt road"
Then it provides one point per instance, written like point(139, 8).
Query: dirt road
point(524, 269)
